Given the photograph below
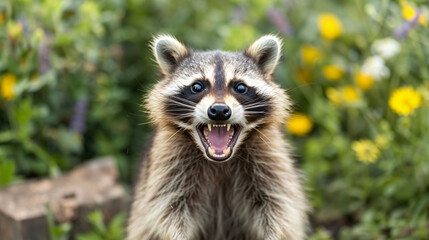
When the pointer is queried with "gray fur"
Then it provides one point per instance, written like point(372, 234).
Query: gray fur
point(254, 195)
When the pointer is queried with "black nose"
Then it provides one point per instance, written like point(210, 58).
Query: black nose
point(219, 112)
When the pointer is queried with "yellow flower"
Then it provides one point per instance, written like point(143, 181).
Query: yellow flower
point(309, 54)
point(382, 141)
point(330, 26)
point(366, 151)
point(304, 75)
point(14, 29)
point(2, 18)
point(299, 124)
point(409, 13)
point(7, 83)
point(404, 100)
point(364, 81)
point(333, 95)
point(351, 95)
point(343, 96)
point(333, 72)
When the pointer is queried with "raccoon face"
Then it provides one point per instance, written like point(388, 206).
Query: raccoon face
point(217, 97)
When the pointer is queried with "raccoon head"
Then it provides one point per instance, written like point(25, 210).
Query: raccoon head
point(217, 97)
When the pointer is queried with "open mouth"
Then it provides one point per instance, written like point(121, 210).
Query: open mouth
point(219, 139)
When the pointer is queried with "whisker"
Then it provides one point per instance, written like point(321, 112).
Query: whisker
point(180, 129)
point(263, 135)
point(143, 123)
point(182, 104)
point(252, 101)
point(183, 116)
point(179, 98)
point(255, 103)
point(245, 108)
point(174, 110)
point(184, 99)
point(255, 112)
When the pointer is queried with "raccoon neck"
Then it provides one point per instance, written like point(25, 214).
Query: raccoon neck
point(171, 145)
point(264, 144)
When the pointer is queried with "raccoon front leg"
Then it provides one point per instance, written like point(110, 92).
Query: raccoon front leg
point(269, 201)
point(166, 218)
point(271, 217)
point(173, 203)
point(170, 216)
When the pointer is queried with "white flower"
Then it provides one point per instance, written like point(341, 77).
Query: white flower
point(386, 48)
point(375, 67)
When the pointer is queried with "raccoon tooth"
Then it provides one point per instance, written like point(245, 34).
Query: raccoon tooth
point(228, 126)
point(231, 134)
point(210, 127)
point(211, 151)
point(227, 151)
point(206, 132)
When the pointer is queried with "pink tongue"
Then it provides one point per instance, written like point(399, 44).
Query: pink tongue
point(218, 137)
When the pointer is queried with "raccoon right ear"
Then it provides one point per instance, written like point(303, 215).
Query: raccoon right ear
point(265, 52)
point(168, 52)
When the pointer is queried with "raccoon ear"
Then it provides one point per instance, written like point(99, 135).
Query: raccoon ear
point(265, 52)
point(168, 52)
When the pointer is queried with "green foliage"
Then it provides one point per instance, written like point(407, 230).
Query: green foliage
point(73, 72)
point(7, 170)
point(57, 231)
point(115, 230)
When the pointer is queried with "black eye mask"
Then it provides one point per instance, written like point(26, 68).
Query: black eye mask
point(181, 105)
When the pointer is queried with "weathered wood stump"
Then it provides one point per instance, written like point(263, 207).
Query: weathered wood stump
point(71, 197)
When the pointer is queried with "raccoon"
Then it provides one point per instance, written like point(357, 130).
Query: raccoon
point(219, 167)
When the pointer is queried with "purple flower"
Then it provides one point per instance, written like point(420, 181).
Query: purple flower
point(280, 21)
point(402, 31)
point(43, 58)
point(24, 24)
point(78, 120)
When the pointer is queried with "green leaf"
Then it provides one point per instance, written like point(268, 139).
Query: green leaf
point(89, 236)
point(7, 170)
point(116, 227)
point(96, 219)
point(57, 231)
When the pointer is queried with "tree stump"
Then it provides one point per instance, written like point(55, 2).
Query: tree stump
point(71, 197)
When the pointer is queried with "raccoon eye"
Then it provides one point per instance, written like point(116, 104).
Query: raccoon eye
point(197, 87)
point(241, 88)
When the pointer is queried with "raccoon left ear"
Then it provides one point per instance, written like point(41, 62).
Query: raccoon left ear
point(168, 52)
point(265, 52)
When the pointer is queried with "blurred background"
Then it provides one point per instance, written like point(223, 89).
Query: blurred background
point(73, 73)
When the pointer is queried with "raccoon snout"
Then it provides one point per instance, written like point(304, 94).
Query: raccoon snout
point(219, 112)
